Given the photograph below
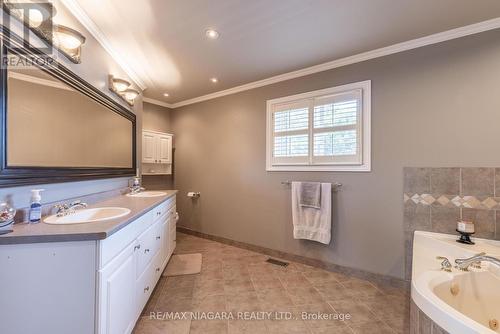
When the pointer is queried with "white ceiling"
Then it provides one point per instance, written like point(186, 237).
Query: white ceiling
point(164, 41)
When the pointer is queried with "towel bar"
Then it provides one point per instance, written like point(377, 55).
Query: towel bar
point(335, 185)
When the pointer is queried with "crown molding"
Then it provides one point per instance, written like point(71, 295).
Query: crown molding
point(381, 52)
point(74, 7)
point(158, 103)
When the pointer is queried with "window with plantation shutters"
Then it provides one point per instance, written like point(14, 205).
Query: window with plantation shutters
point(325, 130)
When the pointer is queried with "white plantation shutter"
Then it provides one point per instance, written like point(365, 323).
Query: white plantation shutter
point(337, 129)
point(323, 128)
point(291, 133)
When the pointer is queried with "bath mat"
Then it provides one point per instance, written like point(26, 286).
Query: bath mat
point(183, 264)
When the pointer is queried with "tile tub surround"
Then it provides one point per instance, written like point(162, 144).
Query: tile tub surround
point(41, 232)
point(421, 323)
point(436, 198)
point(237, 280)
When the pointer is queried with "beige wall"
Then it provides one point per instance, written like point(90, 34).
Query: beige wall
point(433, 106)
point(157, 118)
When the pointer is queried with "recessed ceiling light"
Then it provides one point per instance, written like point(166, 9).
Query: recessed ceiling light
point(166, 94)
point(212, 34)
point(214, 80)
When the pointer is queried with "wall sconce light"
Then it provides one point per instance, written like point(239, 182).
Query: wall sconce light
point(69, 41)
point(130, 94)
point(41, 21)
point(121, 88)
point(118, 85)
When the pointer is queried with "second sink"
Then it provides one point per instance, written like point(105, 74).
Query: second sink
point(148, 194)
point(88, 215)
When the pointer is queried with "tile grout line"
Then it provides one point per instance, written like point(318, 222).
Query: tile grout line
point(301, 272)
point(260, 302)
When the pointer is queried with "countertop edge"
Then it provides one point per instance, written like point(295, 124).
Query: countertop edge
point(8, 239)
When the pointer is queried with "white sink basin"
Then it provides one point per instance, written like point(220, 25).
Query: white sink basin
point(88, 216)
point(148, 194)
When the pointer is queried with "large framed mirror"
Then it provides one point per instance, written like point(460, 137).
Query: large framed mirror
point(56, 127)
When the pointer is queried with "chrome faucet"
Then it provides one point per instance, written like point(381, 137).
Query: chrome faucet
point(136, 186)
point(475, 261)
point(445, 264)
point(136, 189)
point(66, 209)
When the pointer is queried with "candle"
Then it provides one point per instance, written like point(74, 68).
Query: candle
point(466, 227)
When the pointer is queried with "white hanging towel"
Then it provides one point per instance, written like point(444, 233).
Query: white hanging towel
point(309, 222)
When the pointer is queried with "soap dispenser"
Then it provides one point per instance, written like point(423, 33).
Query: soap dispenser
point(35, 206)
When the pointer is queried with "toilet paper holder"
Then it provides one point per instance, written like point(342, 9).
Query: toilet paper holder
point(193, 194)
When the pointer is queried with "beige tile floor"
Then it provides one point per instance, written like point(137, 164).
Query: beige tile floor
point(237, 280)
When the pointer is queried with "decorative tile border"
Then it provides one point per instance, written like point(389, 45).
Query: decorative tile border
point(471, 202)
point(435, 198)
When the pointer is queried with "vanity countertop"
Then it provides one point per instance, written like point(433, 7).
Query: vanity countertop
point(41, 232)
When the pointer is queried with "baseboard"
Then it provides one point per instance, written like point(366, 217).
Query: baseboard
point(358, 273)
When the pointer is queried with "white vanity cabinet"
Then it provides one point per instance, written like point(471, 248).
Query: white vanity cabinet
point(132, 261)
point(86, 287)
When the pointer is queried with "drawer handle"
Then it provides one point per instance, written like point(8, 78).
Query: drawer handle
point(158, 238)
point(146, 289)
point(137, 247)
point(146, 250)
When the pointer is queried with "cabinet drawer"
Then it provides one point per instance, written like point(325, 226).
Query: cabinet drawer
point(148, 246)
point(144, 287)
point(157, 266)
point(113, 245)
point(163, 208)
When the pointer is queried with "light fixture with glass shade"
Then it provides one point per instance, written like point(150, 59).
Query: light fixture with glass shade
point(130, 94)
point(118, 85)
point(121, 87)
point(69, 41)
point(40, 20)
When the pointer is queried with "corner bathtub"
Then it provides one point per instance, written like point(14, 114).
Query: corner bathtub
point(459, 302)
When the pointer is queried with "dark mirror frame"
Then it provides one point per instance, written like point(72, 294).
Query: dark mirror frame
point(16, 176)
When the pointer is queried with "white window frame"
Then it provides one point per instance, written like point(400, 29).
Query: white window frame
point(364, 126)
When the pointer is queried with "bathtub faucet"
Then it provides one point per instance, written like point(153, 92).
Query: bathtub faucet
point(463, 264)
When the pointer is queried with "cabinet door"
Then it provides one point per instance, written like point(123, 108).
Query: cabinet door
point(165, 149)
point(117, 303)
point(165, 245)
point(149, 141)
point(172, 229)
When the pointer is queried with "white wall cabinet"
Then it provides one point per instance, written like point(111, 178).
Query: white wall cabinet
point(149, 147)
point(156, 147)
point(104, 284)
